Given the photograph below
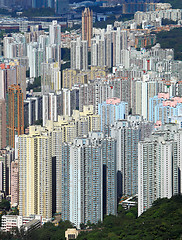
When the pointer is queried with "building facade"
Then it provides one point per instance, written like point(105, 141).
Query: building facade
point(87, 25)
point(14, 114)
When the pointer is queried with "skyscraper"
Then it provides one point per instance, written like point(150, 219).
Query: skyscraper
point(35, 171)
point(127, 135)
point(108, 50)
point(14, 114)
point(159, 163)
point(87, 25)
point(14, 183)
point(111, 110)
point(6, 157)
point(2, 124)
point(55, 33)
point(51, 107)
point(79, 55)
point(162, 107)
point(89, 179)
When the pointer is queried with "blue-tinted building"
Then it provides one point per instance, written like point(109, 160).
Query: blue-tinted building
point(161, 108)
point(112, 110)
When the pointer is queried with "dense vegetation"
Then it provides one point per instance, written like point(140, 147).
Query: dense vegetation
point(65, 66)
point(7, 32)
point(4, 11)
point(106, 10)
point(4, 208)
point(175, 3)
point(4, 205)
point(166, 21)
point(161, 222)
point(47, 232)
point(36, 85)
point(38, 12)
point(172, 39)
point(65, 54)
point(38, 122)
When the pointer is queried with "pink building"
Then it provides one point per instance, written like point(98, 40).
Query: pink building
point(163, 95)
point(14, 183)
point(113, 101)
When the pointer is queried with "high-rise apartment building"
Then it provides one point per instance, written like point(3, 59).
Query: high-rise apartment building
point(12, 73)
point(66, 130)
point(35, 173)
point(128, 133)
point(144, 90)
point(40, 160)
point(128, 136)
point(112, 110)
point(159, 162)
point(109, 48)
point(71, 77)
point(21, 77)
point(6, 157)
point(89, 179)
point(32, 110)
point(14, 114)
point(55, 33)
point(79, 54)
point(70, 100)
point(162, 107)
point(87, 25)
point(50, 78)
point(2, 124)
point(51, 107)
point(14, 183)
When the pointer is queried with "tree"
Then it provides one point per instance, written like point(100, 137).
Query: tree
point(36, 85)
point(5, 205)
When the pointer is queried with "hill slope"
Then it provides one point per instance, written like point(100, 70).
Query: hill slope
point(172, 39)
point(174, 3)
point(161, 222)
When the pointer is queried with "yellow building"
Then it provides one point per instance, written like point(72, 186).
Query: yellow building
point(71, 77)
point(35, 171)
point(36, 153)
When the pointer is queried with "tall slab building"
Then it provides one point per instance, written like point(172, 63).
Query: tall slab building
point(87, 25)
point(14, 114)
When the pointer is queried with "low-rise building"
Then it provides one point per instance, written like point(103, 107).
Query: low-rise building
point(14, 221)
point(71, 233)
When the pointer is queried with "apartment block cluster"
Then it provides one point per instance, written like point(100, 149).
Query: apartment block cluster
point(170, 14)
point(94, 132)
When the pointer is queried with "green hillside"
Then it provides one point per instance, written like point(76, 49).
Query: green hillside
point(172, 39)
point(161, 222)
point(175, 3)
